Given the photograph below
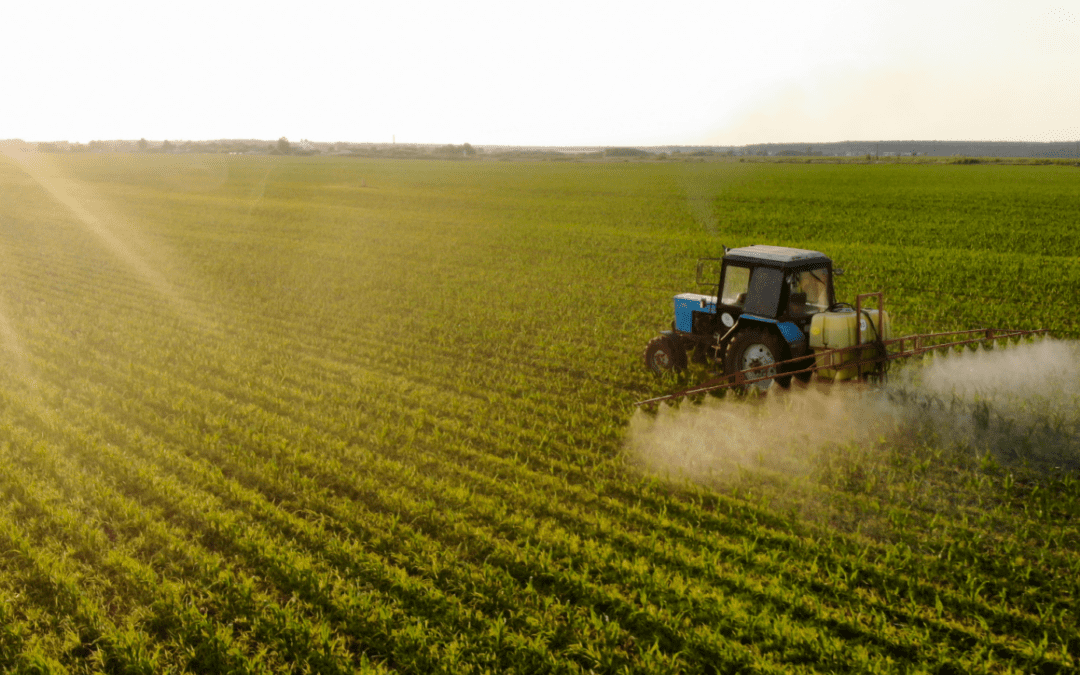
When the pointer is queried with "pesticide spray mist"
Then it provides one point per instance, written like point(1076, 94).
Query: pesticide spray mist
point(1019, 403)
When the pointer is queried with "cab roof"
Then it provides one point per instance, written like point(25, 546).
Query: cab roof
point(777, 255)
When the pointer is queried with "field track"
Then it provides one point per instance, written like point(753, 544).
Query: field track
point(277, 414)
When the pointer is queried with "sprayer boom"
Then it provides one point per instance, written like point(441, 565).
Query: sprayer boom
point(866, 361)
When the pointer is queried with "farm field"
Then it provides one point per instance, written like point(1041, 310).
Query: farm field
point(275, 414)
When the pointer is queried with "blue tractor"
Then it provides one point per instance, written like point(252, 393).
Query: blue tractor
point(758, 312)
point(771, 314)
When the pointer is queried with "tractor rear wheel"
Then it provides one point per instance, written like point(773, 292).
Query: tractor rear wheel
point(799, 365)
point(665, 354)
point(752, 348)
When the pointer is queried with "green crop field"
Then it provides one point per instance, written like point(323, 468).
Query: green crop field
point(278, 414)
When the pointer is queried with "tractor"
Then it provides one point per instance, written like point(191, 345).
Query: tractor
point(770, 314)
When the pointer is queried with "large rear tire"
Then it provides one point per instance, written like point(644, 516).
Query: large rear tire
point(755, 347)
point(665, 354)
point(799, 365)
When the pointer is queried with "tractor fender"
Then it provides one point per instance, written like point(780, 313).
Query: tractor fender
point(679, 339)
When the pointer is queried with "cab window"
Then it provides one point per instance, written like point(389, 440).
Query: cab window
point(808, 291)
point(736, 281)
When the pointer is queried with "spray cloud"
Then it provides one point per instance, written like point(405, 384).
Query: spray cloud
point(1021, 403)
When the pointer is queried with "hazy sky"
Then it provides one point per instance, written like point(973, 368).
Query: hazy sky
point(542, 73)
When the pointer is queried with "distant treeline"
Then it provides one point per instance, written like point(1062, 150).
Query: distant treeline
point(1059, 149)
point(871, 149)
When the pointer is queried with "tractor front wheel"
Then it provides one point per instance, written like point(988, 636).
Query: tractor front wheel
point(756, 348)
point(665, 354)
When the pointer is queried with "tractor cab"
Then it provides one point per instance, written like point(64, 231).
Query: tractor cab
point(774, 283)
point(757, 308)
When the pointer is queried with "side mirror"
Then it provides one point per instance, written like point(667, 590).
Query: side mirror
point(708, 272)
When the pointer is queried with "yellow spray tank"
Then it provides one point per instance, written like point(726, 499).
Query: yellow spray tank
point(841, 328)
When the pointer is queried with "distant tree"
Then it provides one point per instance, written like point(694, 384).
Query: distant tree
point(625, 152)
point(48, 147)
point(304, 148)
point(166, 146)
point(142, 145)
point(470, 151)
point(283, 146)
